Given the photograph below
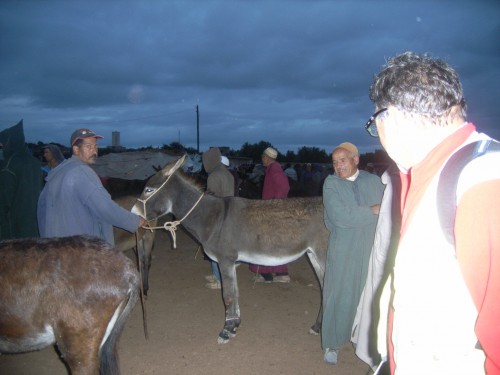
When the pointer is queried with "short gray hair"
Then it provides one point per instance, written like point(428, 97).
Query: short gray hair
point(418, 84)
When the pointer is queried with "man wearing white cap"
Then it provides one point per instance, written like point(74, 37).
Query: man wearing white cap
point(276, 186)
point(352, 202)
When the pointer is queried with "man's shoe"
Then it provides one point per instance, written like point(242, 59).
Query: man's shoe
point(260, 279)
point(210, 278)
point(331, 356)
point(281, 279)
point(214, 285)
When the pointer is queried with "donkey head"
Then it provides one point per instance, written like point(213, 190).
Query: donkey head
point(149, 205)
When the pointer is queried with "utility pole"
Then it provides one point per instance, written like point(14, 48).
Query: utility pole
point(197, 129)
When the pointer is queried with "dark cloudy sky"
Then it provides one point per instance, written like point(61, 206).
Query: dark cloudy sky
point(293, 73)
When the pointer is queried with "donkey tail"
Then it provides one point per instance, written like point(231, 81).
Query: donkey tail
point(108, 355)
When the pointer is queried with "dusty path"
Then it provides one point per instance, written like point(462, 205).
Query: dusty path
point(184, 319)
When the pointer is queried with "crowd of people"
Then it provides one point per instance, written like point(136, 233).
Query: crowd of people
point(402, 286)
point(305, 179)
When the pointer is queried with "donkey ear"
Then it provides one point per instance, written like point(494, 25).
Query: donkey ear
point(171, 167)
point(180, 162)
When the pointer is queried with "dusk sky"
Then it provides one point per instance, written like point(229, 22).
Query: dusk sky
point(293, 73)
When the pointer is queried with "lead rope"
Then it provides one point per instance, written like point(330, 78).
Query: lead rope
point(171, 226)
point(143, 300)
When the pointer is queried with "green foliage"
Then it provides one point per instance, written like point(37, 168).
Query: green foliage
point(250, 150)
point(255, 150)
point(173, 146)
point(312, 155)
point(305, 154)
point(290, 156)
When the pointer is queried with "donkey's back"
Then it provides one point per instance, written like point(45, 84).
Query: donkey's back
point(75, 292)
point(275, 231)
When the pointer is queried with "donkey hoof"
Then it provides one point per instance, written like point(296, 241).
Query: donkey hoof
point(224, 336)
point(222, 340)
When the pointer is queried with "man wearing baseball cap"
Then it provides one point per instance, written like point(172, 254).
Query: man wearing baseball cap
point(74, 201)
point(351, 200)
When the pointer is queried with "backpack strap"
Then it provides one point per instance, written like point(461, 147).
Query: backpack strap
point(448, 180)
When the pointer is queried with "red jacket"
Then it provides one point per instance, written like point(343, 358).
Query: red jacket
point(276, 183)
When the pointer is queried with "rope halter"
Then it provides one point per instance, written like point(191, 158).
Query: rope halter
point(170, 226)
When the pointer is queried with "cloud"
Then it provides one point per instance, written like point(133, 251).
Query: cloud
point(294, 73)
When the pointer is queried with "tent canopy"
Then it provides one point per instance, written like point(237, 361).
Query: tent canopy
point(137, 165)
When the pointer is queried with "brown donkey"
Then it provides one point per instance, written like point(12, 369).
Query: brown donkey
point(76, 292)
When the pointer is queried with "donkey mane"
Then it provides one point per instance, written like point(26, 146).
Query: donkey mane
point(193, 180)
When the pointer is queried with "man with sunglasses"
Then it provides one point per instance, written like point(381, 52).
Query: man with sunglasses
point(74, 200)
point(444, 294)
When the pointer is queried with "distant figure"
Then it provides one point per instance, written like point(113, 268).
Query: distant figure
point(316, 187)
point(299, 188)
point(306, 179)
point(53, 156)
point(20, 185)
point(293, 180)
point(74, 201)
point(234, 173)
point(291, 172)
point(275, 186)
point(220, 182)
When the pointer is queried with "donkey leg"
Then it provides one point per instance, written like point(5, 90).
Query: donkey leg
point(318, 263)
point(230, 295)
point(80, 352)
point(81, 341)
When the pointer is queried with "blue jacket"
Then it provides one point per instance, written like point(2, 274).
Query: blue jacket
point(74, 201)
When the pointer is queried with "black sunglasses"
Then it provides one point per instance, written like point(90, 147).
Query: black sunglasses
point(369, 126)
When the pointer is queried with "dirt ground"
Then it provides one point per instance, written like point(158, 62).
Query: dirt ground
point(184, 319)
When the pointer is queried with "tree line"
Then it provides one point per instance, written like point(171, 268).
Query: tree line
point(248, 150)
